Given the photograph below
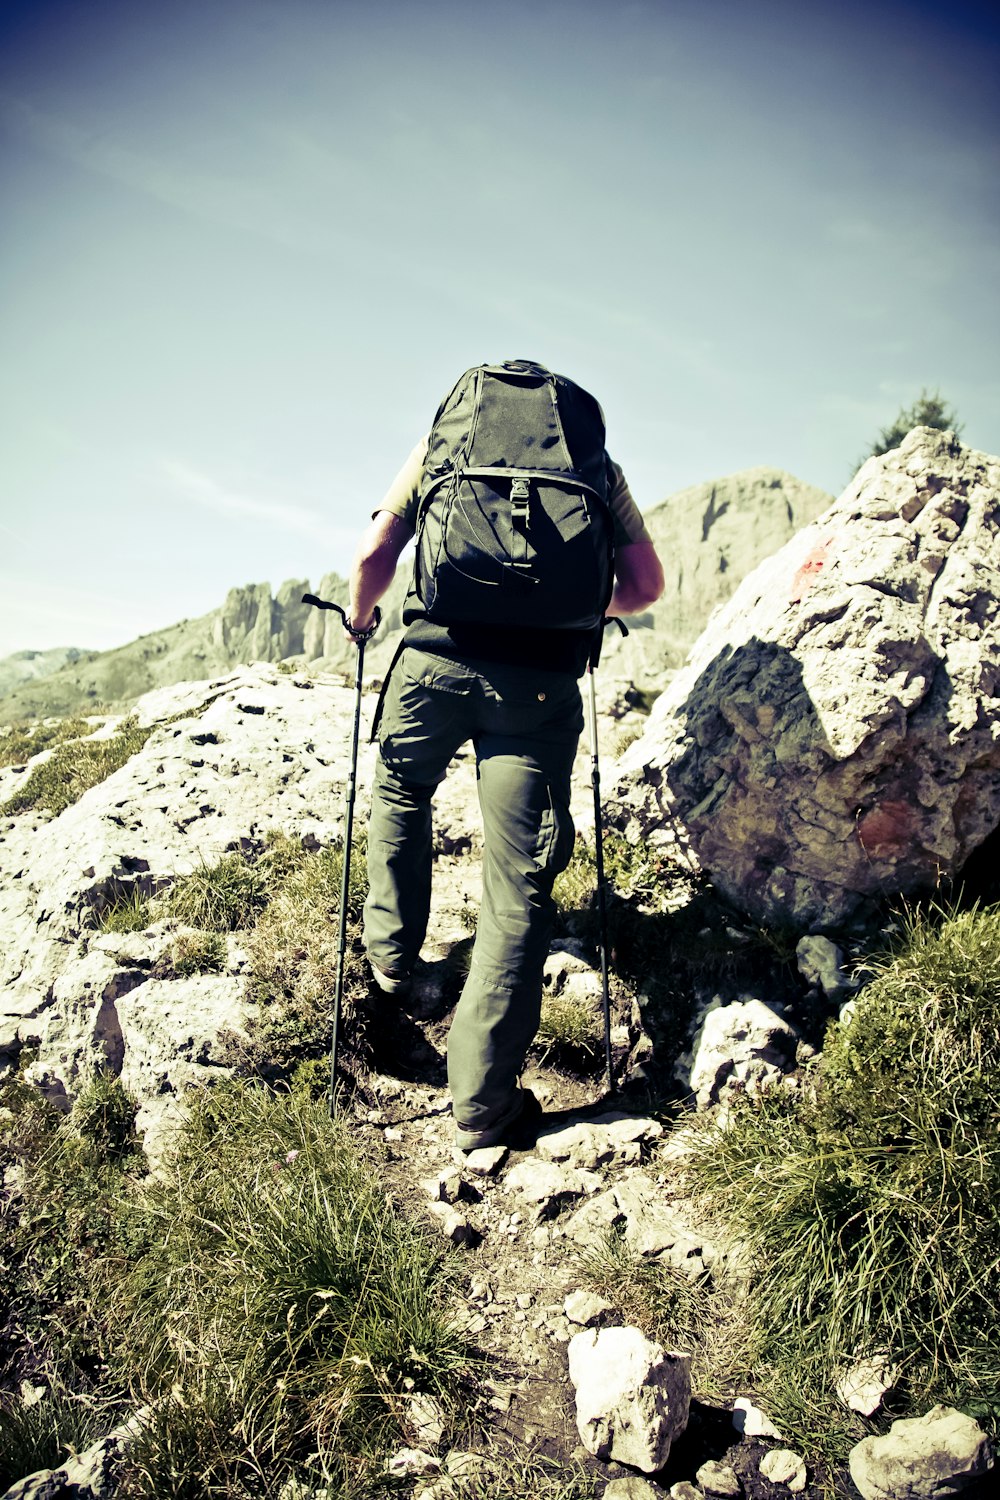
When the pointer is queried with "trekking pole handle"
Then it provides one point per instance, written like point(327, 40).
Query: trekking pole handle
point(359, 635)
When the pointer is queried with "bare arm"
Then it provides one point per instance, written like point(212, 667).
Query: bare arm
point(638, 579)
point(375, 564)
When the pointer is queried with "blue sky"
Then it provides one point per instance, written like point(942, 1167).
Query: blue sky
point(247, 245)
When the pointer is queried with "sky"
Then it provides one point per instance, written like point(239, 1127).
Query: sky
point(247, 245)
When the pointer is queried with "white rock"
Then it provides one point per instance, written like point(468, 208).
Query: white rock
point(922, 1458)
point(545, 1184)
point(409, 1462)
point(745, 1045)
point(718, 1479)
point(782, 1466)
point(487, 1161)
point(750, 1421)
point(864, 1386)
point(831, 739)
point(632, 1396)
point(585, 1308)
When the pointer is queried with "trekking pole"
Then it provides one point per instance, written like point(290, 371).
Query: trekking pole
point(602, 905)
point(338, 992)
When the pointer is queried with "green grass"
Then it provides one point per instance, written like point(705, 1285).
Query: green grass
point(261, 1296)
point(18, 745)
point(570, 1031)
point(199, 953)
point(127, 912)
point(870, 1200)
point(286, 1309)
point(227, 896)
point(293, 961)
point(75, 766)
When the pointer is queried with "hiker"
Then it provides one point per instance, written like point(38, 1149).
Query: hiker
point(475, 664)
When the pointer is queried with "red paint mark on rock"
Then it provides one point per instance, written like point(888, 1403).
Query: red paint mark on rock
point(806, 574)
point(887, 829)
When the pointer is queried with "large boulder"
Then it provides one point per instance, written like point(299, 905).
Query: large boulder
point(227, 762)
point(835, 735)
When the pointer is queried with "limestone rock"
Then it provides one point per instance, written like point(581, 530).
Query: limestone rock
point(863, 1387)
point(745, 1046)
point(719, 1479)
point(631, 1488)
point(782, 1466)
point(835, 735)
point(922, 1458)
point(632, 1396)
point(227, 761)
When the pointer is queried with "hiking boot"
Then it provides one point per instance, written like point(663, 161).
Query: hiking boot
point(396, 982)
point(520, 1133)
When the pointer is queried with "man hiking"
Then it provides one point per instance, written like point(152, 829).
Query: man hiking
point(527, 537)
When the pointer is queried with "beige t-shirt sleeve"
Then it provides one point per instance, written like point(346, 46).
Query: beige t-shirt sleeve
point(402, 498)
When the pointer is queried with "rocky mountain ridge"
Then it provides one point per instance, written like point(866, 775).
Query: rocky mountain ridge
point(709, 536)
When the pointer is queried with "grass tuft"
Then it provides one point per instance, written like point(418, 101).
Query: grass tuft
point(870, 1200)
point(73, 768)
point(287, 1309)
point(18, 745)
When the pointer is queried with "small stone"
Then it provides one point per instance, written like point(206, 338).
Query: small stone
point(685, 1490)
point(487, 1161)
point(782, 1466)
point(719, 1479)
point(750, 1421)
point(409, 1462)
point(632, 1488)
point(453, 1225)
point(586, 1308)
point(446, 1187)
point(524, 1300)
point(392, 1134)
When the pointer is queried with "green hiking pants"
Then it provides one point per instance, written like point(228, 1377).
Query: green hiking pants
point(524, 725)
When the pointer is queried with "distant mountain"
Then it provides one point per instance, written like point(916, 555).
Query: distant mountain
point(28, 666)
point(708, 536)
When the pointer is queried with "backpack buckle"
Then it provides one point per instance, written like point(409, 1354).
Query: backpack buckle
point(519, 494)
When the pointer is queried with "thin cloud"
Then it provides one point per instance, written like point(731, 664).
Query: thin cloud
point(205, 491)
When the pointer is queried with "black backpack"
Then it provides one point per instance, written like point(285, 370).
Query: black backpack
point(513, 526)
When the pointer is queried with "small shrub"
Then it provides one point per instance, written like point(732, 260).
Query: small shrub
point(73, 768)
point(705, 1320)
point(72, 1215)
point(293, 961)
point(199, 953)
point(871, 1199)
point(104, 1114)
point(568, 1026)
